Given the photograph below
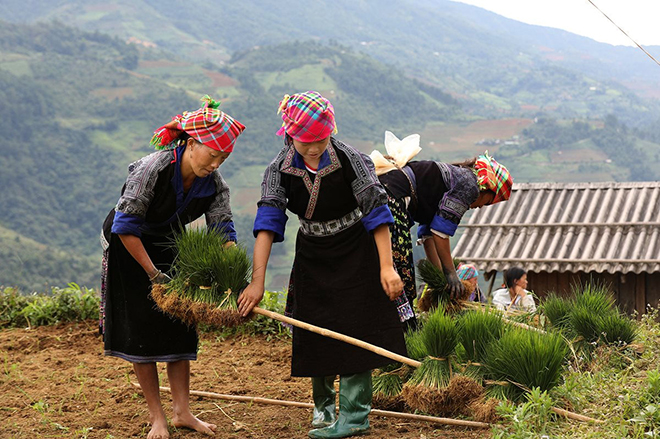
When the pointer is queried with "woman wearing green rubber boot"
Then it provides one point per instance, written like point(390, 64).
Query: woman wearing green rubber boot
point(343, 277)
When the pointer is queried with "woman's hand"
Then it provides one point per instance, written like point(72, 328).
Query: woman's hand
point(391, 282)
point(250, 297)
point(454, 284)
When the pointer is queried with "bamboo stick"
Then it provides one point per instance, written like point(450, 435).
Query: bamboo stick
point(306, 405)
point(337, 336)
point(575, 416)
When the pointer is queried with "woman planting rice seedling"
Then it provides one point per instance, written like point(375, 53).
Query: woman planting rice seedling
point(163, 192)
point(436, 195)
point(343, 277)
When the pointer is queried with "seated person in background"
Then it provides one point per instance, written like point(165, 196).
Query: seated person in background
point(514, 296)
point(470, 274)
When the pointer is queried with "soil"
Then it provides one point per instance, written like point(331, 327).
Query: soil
point(56, 383)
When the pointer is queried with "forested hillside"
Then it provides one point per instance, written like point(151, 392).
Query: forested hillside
point(80, 106)
point(496, 66)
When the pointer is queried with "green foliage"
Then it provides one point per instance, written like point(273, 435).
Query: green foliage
point(70, 304)
point(526, 420)
point(526, 359)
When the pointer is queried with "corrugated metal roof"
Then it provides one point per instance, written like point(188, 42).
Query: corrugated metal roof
point(590, 227)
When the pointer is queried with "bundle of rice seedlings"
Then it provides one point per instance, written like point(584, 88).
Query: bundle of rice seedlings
point(597, 298)
point(415, 345)
point(437, 294)
point(439, 336)
point(522, 359)
point(484, 410)
point(207, 277)
point(557, 309)
point(478, 330)
point(617, 329)
point(610, 328)
point(461, 392)
point(387, 384)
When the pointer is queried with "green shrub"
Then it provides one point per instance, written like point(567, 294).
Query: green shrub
point(70, 304)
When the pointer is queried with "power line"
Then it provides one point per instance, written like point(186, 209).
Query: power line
point(624, 32)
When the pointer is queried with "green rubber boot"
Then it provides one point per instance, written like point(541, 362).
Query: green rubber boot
point(354, 406)
point(323, 393)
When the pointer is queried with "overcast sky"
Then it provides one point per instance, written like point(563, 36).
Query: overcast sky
point(639, 18)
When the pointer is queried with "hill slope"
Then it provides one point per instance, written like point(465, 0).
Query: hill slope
point(496, 66)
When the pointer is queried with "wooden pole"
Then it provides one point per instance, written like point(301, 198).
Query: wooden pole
point(305, 405)
point(575, 416)
point(337, 336)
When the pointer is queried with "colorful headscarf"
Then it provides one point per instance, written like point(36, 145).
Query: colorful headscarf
point(466, 271)
point(307, 117)
point(208, 125)
point(493, 176)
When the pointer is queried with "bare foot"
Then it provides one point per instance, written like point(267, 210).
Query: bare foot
point(159, 430)
point(189, 421)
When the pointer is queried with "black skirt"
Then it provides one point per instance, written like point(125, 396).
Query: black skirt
point(336, 285)
point(134, 328)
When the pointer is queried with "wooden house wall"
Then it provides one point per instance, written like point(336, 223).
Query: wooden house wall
point(633, 292)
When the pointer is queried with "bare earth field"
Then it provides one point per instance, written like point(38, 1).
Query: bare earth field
point(56, 383)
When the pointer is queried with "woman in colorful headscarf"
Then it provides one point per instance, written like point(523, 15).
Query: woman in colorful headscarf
point(164, 191)
point(436, 195)
point(469, 273)
point(343, 277)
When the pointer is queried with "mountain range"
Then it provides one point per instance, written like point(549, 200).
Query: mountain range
point(79, 103)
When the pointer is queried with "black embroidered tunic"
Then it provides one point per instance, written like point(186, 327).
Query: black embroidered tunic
point(335, 279)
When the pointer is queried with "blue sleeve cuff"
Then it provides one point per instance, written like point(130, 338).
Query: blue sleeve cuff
point(423, 230)
point(378, 216)
point(272, 219)
point(226, 228)
point(126, 224)
point(443, 225)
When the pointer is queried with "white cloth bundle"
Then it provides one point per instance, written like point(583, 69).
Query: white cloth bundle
point(402, 151)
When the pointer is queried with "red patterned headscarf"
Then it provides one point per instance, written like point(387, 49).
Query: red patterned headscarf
point(493, 176)
point(307, 117)
point(208, 125)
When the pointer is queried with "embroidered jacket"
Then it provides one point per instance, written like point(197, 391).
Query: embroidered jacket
point(156, 178)
point(345, 181)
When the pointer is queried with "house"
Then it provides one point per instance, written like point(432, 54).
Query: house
point(564, 234)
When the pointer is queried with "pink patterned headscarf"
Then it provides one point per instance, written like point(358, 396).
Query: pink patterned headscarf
point(208, 125)
point(466, 271)
point(307, 117)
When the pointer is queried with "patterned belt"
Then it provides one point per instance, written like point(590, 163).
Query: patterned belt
point(329, 228)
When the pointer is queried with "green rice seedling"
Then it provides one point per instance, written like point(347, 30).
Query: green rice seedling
point(596, 298)
point(415, 345)
point(477, 330)
point(617, 329)
point(208, 267)
point(207, 278)
point(522, 360)
point(557, 310)
point(437, 294)
point(432, 275)
point(439, 335)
